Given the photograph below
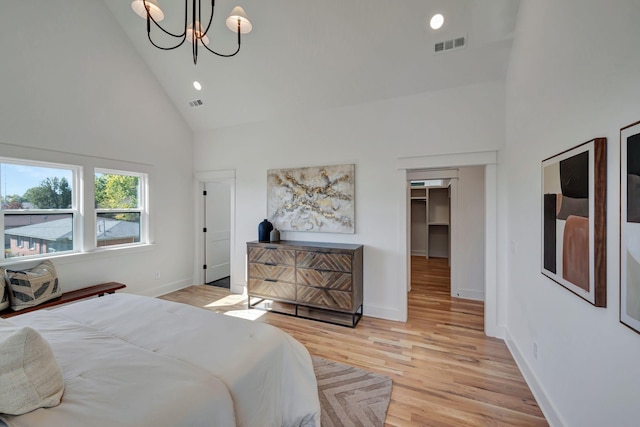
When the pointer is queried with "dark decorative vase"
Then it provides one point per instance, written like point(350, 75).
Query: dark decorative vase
point(275, 235)
point(264, 230)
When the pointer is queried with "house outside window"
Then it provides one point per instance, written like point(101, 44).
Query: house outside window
point(38, 207)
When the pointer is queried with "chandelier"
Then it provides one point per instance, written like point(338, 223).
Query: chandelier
point(193, 32)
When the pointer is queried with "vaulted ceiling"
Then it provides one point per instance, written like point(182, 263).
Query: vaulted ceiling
point(304, 56)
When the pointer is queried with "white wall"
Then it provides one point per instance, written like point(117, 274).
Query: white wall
point(574, 76)
point(372, 136)
point(70, 82)
point(419, 227)
point(471, 233)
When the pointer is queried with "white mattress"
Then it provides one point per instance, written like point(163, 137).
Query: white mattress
point(159, 360)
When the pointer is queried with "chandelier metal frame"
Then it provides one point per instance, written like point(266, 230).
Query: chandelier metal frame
point(193, 32)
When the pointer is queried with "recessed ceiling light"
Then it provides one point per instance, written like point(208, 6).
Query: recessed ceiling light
point(436, 21)
point(197, 85)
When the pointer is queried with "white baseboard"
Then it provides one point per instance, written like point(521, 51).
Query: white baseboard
point(166, 288)
point(548, 408)
point(238, 289)
point(469, 294)
point(418, 253)
point(382, 313)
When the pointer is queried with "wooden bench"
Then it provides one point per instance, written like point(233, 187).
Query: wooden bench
point(66, 297)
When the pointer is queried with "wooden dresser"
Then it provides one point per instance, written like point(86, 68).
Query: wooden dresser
point(321, 281)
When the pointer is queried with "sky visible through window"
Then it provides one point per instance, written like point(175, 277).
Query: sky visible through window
point(16, 179)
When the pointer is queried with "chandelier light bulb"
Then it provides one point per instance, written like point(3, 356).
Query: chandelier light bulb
point(199, 34)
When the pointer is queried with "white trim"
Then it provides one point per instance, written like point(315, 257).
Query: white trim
point(473, 294)
point(216, 176)
point(74, 257)
point(454, 248)
point(382, 312)
point(447, 161)
point(404, 243)
point(419, 175)
point(489, 159)
point(551, 413)
point(200, 179)
point(165, 289)
point(492, 308)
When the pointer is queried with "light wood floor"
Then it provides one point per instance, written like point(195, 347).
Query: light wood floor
point(445, 371)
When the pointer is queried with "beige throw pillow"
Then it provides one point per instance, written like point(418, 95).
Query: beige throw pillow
point(4, 292)
point(28, 288)
point(30, 376)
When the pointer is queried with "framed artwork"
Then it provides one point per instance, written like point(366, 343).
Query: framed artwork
point(319, 198)
point(630, 226)
point(574, 216)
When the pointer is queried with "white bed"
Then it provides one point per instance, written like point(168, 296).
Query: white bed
point(136, 361)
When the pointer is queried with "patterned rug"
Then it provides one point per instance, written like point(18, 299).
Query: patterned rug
point(350, 396)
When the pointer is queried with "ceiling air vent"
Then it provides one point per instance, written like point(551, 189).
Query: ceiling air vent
point(195, 103)
point(452, 44)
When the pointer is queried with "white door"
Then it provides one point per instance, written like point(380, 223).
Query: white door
point(218, 231)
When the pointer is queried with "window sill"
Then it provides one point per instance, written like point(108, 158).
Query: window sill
point(73, 257)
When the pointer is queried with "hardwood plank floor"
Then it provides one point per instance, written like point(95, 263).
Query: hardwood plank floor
point(445, 371)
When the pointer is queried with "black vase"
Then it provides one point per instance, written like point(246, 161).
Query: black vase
point(264, 228)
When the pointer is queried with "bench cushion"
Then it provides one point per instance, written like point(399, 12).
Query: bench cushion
point(31, 287)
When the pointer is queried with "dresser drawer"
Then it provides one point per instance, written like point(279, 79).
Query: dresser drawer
point(272, 255)
point(282, 273)
point(315, 280)
point(335, 300)
point(323, 261)
point(272, 289)
point(325, 279)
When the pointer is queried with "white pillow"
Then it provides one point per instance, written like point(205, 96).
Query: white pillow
point(30, 376)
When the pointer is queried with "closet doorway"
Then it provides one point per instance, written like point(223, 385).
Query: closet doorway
point(447, 229)
point(494, 276)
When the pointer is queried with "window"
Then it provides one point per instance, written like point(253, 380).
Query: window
point(48, 208)
point(119, 207)
point(38, 207)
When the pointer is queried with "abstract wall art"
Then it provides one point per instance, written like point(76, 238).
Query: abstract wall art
point(318, 198)
point(574, 193)
point(630, 226)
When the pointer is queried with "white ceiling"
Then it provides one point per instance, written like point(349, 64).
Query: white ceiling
point(304, 56)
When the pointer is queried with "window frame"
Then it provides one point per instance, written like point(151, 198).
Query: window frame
point(142, 209)
point(75, 210)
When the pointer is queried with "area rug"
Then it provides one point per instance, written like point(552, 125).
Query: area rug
point(350, 396)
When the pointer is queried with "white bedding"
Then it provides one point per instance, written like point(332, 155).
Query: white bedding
point(131, 360)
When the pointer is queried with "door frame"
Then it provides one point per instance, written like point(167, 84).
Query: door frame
point(495, 279)
point(201, 178)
